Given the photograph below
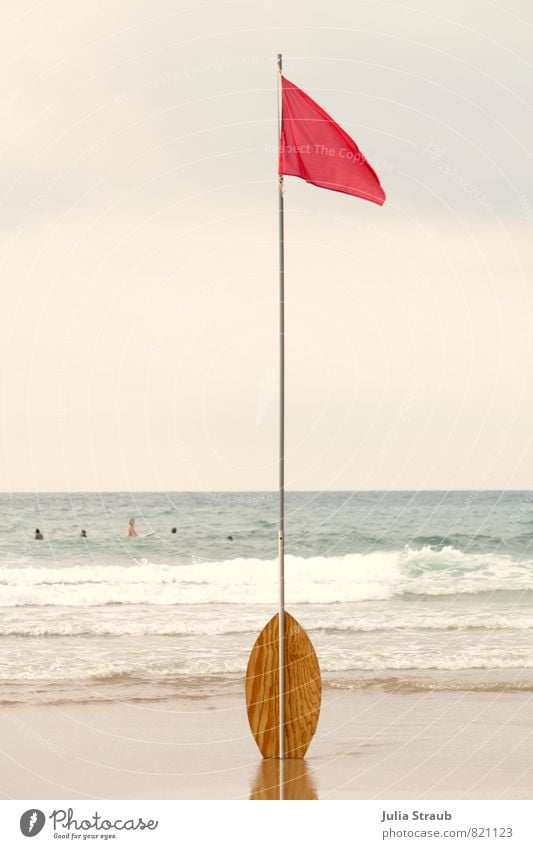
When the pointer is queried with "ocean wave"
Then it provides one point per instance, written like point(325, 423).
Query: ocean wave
point(105, 669)
point(464, 661)
point(210, 624)
point(123, 629)
point(426, 682)
point(459, 541)
point(376, 576)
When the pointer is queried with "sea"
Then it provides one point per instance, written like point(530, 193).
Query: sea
point(405, 591)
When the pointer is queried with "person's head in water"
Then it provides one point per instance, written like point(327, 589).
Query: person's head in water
point(131, 532)
point(38, 534)
point(174, 531)
point(230, 537)
point(83, 533)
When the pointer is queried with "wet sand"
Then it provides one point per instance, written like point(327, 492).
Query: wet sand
point(370, 744)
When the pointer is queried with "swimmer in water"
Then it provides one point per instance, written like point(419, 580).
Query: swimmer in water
point(83, 533)
point(131, 532)
point(38, 534)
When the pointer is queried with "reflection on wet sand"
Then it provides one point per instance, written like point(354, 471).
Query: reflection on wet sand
point(287, 779)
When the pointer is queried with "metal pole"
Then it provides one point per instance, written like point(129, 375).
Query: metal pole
point(281, 448)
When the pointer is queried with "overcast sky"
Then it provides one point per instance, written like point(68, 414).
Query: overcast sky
point(138, 255)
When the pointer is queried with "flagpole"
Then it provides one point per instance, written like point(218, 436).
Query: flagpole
point(277, 724)
point(281, 536)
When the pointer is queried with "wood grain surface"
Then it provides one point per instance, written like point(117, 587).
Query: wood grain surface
point(286, 779)
point(302, 689)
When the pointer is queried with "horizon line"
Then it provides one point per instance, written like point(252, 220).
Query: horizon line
point(241, 491)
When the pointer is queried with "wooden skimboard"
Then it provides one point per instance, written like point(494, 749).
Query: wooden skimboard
point(303, 689)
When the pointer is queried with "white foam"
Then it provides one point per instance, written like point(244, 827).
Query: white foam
point(349, 578)
point(98, 666)
point(216, 621)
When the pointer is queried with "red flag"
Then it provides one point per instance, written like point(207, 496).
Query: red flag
point(315, 148)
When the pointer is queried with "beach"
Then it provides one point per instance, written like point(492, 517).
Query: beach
point(122, 661)
point(369, 744)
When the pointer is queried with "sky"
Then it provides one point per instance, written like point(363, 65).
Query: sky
point(138, 247)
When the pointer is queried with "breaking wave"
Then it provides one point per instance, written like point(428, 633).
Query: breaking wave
point(426, 571)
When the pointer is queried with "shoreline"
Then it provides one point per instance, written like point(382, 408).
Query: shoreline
point(369, 744)
point(124, 690)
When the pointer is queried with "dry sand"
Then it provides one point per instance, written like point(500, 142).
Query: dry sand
point(369, 744)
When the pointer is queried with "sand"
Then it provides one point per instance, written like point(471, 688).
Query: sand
point(370, 744)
